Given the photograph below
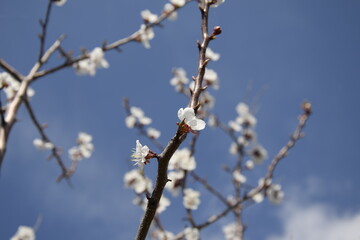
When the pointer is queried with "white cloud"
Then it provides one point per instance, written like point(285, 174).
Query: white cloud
point(317, 221)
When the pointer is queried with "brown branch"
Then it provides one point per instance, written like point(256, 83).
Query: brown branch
point(66, 173)
point(44, 25)
point(12, 71)
point(112, 46)
point(13, 107)
point(161, 181)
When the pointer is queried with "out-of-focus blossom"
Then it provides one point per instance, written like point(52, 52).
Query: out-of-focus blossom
point(191, 233)
point(258, 198)
point(275, 194)
point(24, 233)
point(42, 145)
point(136, 115)
point(258, 154)
point(140, 154)
point(175, 184)
point(207, 100)
point(216, 3)
point(153, 133)
point(148, 16)
point(181, 159)
point(146, 34)
point(245, 118)
point(212, 55)
point(178, 3)
point(188, 115)
point(168, 7)
point(235, 126)
point(238, 177)
point(133, 179)
point(179, 79)
point(163, 204)
point(212, 121)
point(88, 66)
point(211, 78)
point(83, 149)
point(232, 231)
point(249, 164)
point(11, 86)
point(59, 3)
point(158, 234)
point(191, 199)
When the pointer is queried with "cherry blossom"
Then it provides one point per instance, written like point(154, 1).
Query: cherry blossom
point(10, 86)
point(178, 3)
point(88, 66)
point(148, 16)
point(168, 7)
point(258, 154)
point(275, 194)
point(232, 231)
point(191, 233)
point(42, 145)
point(24, 233)
point(146, 34)
point(135, 180)
point(212, 55)
point(188, 116)
point(141, 154)
point(59, 3)
point(83, 149)
point(183, 160)
point(191, 199)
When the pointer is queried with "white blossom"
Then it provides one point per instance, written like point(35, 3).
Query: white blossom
point(232, 231)
point(146, 34)
point(211, 78)
point(179, 79)
point(83, 149)
point(191, 233)
point(24, 233)
point(59, 3)
point(173, 186)
point(235, 126)
point(249, 164)
point(188, 115)
point(207, 100)
point(11, 86)
point(130, 121)
point(238, 177)
point(258, 197)
point(168, 7)
point(233, 148)
point(42, 145)
point(275, 194)
point(191, 199)
point(217, 3)
point(153, 133)
point(212, 55)
point(88, 66)
point(242, 108)
point(178, 3)
point(137, 115)
point(258, 154)
point(148, 16)
point(181, 159)
point(133, 179)
point(140, 153)
point(163, 204)
point(158, 234)
point(212, 121)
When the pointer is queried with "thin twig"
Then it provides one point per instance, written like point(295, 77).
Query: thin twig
point(54, 152)
point(44, 25)
point(297, 134)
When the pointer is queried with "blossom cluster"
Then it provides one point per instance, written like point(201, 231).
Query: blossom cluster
point(11, 86)
point(83, 149)
point(137, 118)
point(24, 233)
point(95, 60)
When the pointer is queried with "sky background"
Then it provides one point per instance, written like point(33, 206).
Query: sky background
point(274, 55)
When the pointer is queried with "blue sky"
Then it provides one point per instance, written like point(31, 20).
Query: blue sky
point(287, 51)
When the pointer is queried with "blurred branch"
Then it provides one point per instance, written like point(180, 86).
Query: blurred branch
point(66, 173)
point(44, 25)
point(297, 135)
point(112, 46)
